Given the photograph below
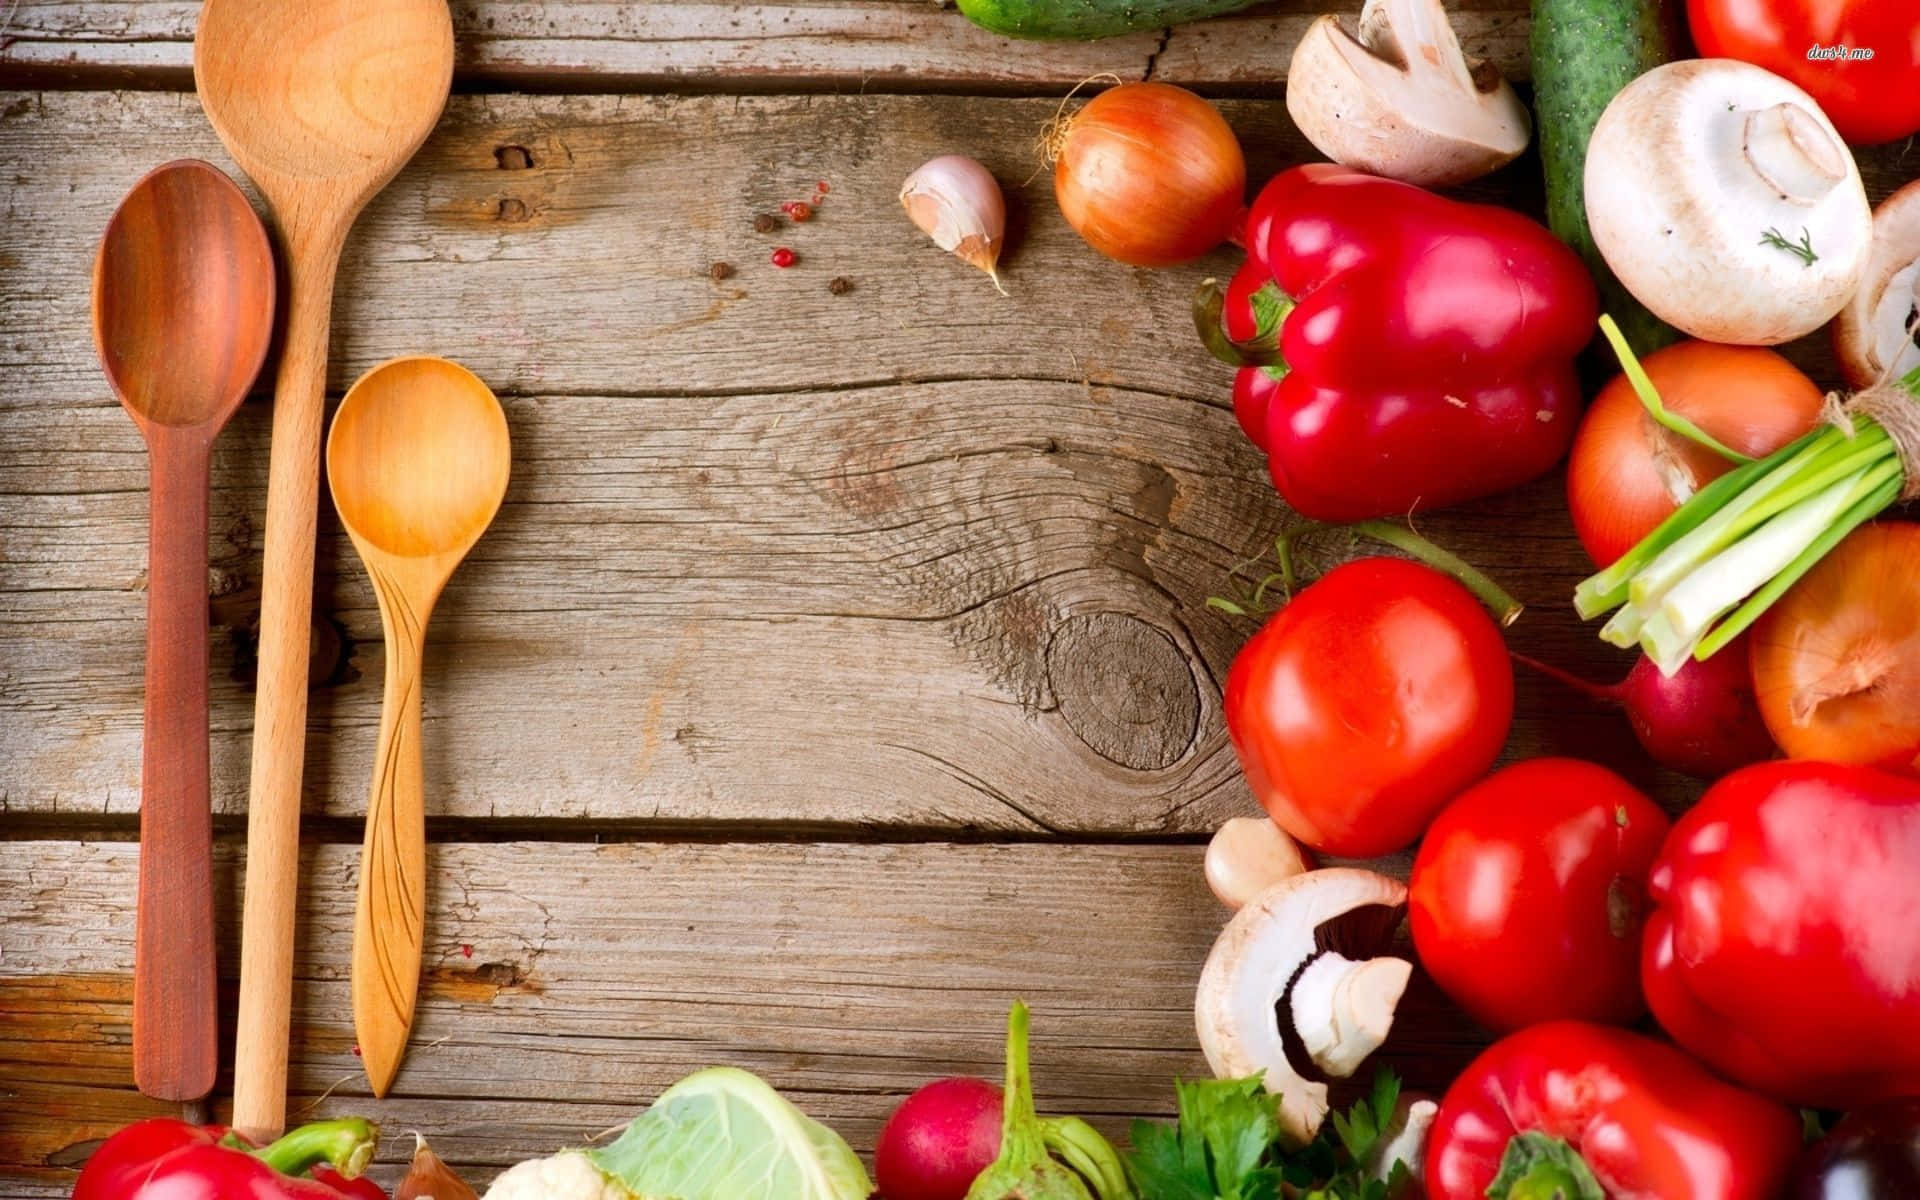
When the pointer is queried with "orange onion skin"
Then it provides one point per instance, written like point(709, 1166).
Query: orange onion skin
point(1836, 661)
point(1627, 473)
point(1150, 174)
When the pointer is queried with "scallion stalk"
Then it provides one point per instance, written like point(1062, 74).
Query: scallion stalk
point(1708, 571)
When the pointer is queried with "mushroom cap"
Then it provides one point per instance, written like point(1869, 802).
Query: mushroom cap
point(1431, 117)
point(1248, 855)
point(1260, 952)
point(1871, 336)
point(1691, 166)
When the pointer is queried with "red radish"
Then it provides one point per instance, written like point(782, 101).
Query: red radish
point(939, 1140)
point(1703, 720)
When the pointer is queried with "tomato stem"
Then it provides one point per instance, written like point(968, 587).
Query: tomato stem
point(1498, 600)
point(1650, 397)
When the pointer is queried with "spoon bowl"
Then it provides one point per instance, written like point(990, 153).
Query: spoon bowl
point(418, 458)
point(321, 102)
point(183, 295)
point(418, 462)
point(183, 292)
point(333, 92)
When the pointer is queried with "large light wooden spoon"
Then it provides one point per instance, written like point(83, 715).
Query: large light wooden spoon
point(321, 102)
point(182, 313)
point(418, 464)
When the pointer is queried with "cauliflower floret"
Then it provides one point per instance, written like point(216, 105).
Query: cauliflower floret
point(568, 1175)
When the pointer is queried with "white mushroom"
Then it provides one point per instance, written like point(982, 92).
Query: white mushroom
point(1247, 856)
point(1401, 99)
point(1725, 201)
point(1873, 335)
point(1294, 987)
point(1404, 1140)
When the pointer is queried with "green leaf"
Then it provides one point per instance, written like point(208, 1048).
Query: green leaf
point(1222, 1147)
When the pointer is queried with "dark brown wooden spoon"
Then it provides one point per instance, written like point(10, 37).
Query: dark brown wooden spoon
point(183, 295)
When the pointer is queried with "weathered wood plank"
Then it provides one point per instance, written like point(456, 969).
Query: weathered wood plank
point(772, 555)
point(698, 45)
point(846, 975)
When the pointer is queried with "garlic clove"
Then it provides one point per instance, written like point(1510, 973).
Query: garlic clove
point(956, 201)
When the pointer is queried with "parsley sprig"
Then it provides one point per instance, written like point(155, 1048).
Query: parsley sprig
point(1226, 1146)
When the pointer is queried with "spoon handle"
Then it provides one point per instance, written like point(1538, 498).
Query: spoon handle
point(389, 917)
point(280, 705)
point(175, 996)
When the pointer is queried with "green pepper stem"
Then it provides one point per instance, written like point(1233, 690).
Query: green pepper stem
point(1209, 307)
point(345, 1144)
point(1498, 600)
point(1545, 1182)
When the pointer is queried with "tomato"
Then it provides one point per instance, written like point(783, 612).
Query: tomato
point(1627, 472)
point(1367, 703)
point(1869, 99)
point(1528, 896)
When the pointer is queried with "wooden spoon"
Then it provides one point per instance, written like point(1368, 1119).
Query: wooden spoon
point(418, 464)
point(321, 102)
point(183, 291)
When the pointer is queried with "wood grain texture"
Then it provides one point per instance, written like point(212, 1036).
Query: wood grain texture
point(836, 560)
point(846, 975)
point(704, 45)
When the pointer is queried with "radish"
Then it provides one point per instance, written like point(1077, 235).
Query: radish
point(1703, 720)
point(939, 1140)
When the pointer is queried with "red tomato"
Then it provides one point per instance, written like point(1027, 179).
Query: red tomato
point(1367, 703)
point(1869, 99)
point(1529, 895)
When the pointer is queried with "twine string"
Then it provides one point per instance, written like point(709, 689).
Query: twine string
point(1890, 407)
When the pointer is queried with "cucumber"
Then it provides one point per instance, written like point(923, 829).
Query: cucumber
point(1584, 52)
point(1086, 19)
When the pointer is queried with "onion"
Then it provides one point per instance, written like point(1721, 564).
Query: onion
point(1148, 173)
point(1627, 472)
point(430, 1179)
point(1836, 661)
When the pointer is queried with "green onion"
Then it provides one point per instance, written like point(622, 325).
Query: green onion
point(1708, 571)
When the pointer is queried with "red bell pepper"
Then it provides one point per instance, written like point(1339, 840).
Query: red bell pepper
point(1573, 1111)
point(1425, 347)
point(162, 1159)
point(1859, 59)
point(1784, 945)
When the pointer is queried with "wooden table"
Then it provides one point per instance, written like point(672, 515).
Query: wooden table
point(839, 667)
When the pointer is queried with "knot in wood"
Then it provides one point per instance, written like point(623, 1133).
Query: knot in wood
point(1125, 689)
